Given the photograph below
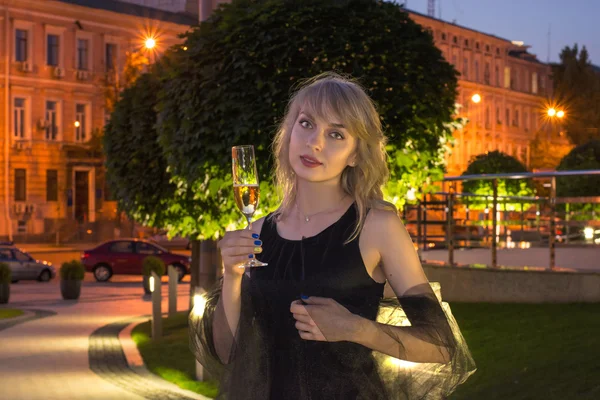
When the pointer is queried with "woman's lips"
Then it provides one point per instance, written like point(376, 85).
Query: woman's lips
point(309, 161)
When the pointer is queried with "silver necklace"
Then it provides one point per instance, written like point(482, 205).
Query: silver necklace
point(307, 217)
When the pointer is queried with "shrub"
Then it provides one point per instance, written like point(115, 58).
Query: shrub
point(155, 264)
point(72, 271)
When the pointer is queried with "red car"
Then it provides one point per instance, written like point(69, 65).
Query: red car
point(125, 256)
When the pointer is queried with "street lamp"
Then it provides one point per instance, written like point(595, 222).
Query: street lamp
point(150, 43)
point(551, 112)
point(476, 98)
point(560, 114)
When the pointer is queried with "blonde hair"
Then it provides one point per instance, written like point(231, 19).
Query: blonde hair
point(330, 96)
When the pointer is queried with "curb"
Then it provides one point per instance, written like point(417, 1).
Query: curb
point(28, 315)
point(114, 357)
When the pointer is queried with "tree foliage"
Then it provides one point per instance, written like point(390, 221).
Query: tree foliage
point(496, 162)
point(583, 157)
point(577, 89)
point(230, 81)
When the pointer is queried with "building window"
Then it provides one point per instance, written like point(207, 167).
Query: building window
point(444, 36)
point(486, 74)
point(487, 117)
point(51, 120)
point(497, 51)
point(53, 50)
point(110, 56)
point(466, 42)
point(497, 75)
point(498, 120)
point(83, 48)
point(506, 77)
point(516, 120)
point(487, 48)
point(455, 39)
point(477, 45)
point(51, 185)
point(534, 83)
point(507, 117)
point(20, 185)
point(81, 122)
point(465, 68)
point(514, 81)
point(21, 45)
point(476, 66)
point(526, 120)
point(19, 118)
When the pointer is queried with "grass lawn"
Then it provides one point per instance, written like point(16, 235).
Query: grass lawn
point(522, 351)
point(171, 357)
point(9, 313)
point(527, 351)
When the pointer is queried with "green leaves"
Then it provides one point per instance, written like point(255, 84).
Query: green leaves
point(496, 162)
point(232, 85)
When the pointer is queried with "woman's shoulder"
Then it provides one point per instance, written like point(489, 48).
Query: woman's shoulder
point(381, 223)
point(257, 226)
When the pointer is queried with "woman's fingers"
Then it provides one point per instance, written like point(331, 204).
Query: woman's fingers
point(304, 318)
point(301, 326)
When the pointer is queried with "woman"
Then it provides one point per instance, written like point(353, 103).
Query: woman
point(313, 323)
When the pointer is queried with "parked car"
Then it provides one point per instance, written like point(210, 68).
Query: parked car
point(25, 267)
point(125, 257)
point(176, 242)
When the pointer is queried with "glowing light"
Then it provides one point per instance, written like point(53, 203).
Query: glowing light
point(537, 213)
point(400, 363)
point(411, 195)
point(588, 233)
point(77, 124)
point(199, 305)
point(184, 48)
point(487, 210)
point(560, 114)
point(551, 112)
point(150, 43)
point(476, 98)
point(151, 284)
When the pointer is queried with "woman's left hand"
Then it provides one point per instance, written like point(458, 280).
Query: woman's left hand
point(324, 319)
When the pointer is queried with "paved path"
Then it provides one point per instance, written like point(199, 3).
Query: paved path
point(49, 358)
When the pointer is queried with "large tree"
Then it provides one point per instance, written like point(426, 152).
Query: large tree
point(234, 77)
point(583, 157)
point(577, 89)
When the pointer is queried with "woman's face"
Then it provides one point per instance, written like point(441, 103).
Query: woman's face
point(319, 149)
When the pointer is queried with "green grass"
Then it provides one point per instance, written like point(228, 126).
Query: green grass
point(10, 313)
point(170, 357)
point(526, 352)
point(522, 351)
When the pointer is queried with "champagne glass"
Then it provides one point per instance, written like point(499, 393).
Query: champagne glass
point(245, 187)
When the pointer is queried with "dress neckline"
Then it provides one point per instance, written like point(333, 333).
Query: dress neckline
point(316, 236)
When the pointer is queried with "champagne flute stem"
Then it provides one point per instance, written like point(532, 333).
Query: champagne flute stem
point(249, 220)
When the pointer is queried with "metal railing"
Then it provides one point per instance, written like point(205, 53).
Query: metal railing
point(451, 199)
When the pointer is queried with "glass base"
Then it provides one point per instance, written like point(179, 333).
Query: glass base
point(253, 264)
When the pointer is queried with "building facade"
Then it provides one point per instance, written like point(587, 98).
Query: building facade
point(57, 60)
point(504, 93)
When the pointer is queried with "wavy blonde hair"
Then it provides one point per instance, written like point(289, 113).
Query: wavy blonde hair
point(332, 97)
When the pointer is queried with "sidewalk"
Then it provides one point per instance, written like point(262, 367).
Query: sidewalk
point(33, 248)
point(49, 357)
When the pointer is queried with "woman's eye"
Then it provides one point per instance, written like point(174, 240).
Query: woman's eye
point(336, 135)
point(305, 124)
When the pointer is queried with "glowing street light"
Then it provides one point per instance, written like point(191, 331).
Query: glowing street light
point(551, 112)
point(150, 43)
point(77, 124)
point(560, 114)
point(476, 98)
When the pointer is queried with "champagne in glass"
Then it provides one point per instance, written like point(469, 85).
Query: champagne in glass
point(245, 187)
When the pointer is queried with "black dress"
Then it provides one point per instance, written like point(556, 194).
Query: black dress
point(269, 360)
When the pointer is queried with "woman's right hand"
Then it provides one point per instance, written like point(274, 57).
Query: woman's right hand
point(237, 248)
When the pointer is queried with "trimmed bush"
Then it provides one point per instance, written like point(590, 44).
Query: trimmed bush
point(5, 273)
point(72, 271)
point(155, 264)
